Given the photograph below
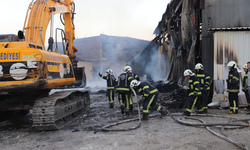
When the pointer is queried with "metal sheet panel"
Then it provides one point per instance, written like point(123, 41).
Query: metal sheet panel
point(226, 13)
point(228, 46)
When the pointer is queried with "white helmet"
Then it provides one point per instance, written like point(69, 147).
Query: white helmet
point(245, 66)
point(199, 66)
point(109, 71)
point(127, 69)
point(134, 83)
point(232, 64)
point(187, 72)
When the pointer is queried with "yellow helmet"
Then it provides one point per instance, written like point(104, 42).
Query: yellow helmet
point(245, 66)
point(187, 72)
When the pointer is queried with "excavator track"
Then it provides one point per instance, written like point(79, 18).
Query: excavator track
point(59, 109)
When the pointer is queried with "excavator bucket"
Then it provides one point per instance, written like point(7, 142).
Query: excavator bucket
point(80, 81)
point(80, 77)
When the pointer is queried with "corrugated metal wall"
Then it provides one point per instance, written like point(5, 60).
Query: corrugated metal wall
point(229, 45)
point(227, 13)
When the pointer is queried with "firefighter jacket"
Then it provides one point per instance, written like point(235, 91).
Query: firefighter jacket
point(123, 82)
point(134, 76)
point(194, 86)
point(244, 82)
point(233, 81)
point(145, 89)
point(204, 79)
point(110, 81)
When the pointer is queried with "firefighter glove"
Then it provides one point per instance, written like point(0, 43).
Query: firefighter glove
point(141, 101)
point(195, 93)
point(244, 89)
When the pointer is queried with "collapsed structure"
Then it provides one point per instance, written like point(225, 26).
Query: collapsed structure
point(199, 31)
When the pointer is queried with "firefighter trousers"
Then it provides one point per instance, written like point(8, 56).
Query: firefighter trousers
point(194, 101)
point(233, 101)
point(124, 99)
point(150, 101)
point(131, 101)
point(248, 99)
point(111, 94)
point(204, 100)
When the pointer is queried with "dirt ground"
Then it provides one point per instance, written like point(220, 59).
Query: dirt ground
point(157, 133)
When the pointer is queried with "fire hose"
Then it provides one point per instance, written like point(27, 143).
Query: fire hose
point(105, 128)
point(179, 120)
point(221, 125)
point(203, 123)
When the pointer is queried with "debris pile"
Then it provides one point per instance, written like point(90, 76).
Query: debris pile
point(172, 96)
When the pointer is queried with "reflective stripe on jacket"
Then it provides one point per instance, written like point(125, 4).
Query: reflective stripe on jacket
point(134, 76)
point(123, 82)
point(204, 79)
point(233, 81)
point(145, 89)
point(194, 86)
point(111, 80)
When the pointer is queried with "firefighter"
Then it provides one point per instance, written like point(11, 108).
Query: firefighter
point(110, 86)
point(204, 79)
point(193, 93)
point(245, 87)
point(233, 87)
point(132, 77)
point(124, 91)
point(149, 96)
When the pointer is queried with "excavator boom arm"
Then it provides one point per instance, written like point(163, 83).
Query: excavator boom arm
point(40, 13)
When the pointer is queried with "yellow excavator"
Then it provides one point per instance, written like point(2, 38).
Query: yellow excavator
point(29, 70)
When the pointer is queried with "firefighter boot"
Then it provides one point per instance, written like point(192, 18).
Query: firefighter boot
point(122, 109)
point(144, 117)
point(248, 109)
point(230, 111)
point(111, 105)
point(186, 113)
point(201, 112)
point(236, 112)
point(131, 110)
point(163, 112)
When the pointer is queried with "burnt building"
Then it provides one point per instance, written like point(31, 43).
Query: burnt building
point(211, 32)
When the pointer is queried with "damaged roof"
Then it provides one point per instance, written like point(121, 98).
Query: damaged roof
point(89, 49)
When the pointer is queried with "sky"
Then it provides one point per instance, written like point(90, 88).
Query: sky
point(129, 18)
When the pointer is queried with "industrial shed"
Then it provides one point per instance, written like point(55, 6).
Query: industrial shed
point(211, 32)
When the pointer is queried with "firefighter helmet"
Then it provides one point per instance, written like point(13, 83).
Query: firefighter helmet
point(127, 69)
point(199, 66)
point(232, 64)
point(245, 66)
point(109, 71)
point(187, 72)
point(134, 83)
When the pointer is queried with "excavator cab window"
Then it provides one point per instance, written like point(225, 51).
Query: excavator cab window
point(61, 48)
point(9, 38)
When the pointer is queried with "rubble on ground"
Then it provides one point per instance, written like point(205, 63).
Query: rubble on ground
point(172, 96)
